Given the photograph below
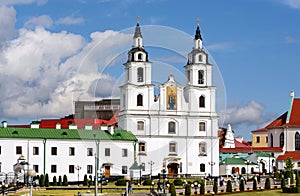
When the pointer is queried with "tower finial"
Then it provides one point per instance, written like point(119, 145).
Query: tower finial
point(198, 22)
point(198, 34)
point(137, 19)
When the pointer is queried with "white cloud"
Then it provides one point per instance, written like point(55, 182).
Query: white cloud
point(42, 73)
point(290, 40)
point(295, 4)
point(250, 114)
point(7, 22)
point(44, 21)
point(220, 46)
point(69, 20)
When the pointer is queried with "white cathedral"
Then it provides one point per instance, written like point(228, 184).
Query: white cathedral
point(177, 128)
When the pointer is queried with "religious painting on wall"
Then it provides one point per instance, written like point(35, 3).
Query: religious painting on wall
point(171, 97)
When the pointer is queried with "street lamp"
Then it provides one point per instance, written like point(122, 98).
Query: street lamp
point(31, 173)
point(100, 174)
point(151, 163)
point(212, 165)
point(96, 165)
point(78, 168)
point(196, 185)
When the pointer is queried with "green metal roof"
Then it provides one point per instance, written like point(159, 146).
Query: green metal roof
point(236, 161)
point(135, 166)
point(65, 134)
point(261, 154)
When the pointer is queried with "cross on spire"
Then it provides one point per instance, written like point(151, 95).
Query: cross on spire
point(198, 21)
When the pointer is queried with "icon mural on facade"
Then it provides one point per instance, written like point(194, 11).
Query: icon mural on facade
point(171, 97)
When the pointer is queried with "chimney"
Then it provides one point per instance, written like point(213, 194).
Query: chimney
point(35, 125)
point(4, 124)
point(58, 126)
point(292, 96)
point(104, 127)
point(88, 127)
point(111, 130)
point(72, 126)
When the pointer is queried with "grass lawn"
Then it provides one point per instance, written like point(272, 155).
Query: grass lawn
point(264, 193)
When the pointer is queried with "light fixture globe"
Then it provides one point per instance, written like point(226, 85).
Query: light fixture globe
point(31, 172)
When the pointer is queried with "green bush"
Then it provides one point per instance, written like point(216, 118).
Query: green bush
point(59, 181)
point(54, 181)
point(91, 180)
point(268, 184)
point(178, 182)
point(65, 181)
point(291, 190)
point(187, 189)
point(215, 187)
point(47, 183)
point(120, 182)
point(202, 187)
point(172, 189)
point(297, 179)
point(147, 182)
point(282, 183)
point(254, 185)
point(277, 175)
point(229, 186)
point(85, 180)
point(242, 185)
point(289, 174)
point(42, 181)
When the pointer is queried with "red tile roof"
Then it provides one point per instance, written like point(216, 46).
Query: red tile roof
point(64, 122)
point(280, 121)
point(250, 149)
point(263, 130)
point(241, 145)
point(114, 119)
point(295, 156)
point(295, 114)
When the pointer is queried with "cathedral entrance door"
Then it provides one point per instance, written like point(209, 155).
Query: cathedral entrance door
point(173, 170)
point(107, 171)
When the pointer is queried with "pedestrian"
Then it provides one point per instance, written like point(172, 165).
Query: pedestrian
point(130, 188)
point(158, 186)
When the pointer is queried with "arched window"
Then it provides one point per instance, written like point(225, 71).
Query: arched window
point(202, 126)
point(140, 100)
point(297, 141)
point(200, 58)
point(140, 74)
point(172, 148)
point(142, 147)
point(200, 77)
point(171, 127)
point(281, 140)
point(271, 140)
point(140, 56)
point(202, 101)
point(140, 126)
point(202, 167)
point(188, 76)
point(202, 148)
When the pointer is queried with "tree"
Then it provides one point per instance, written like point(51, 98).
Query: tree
point(202, 187)
point(242, 185)
point(268, 184)
point(65, 181)
point(229, 186)
point(289, 165)
point(282, 183)
point(59, 181)
point(254, 185)
point(172, 189)
point(54, 181)
point(85, 180)
point(187, 189)
point(47, 183)
point(215, 187)
point(42, 181)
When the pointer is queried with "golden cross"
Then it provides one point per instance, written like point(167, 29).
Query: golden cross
point(198, 21)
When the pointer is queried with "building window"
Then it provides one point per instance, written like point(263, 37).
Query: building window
point(53, 150)
point(89, 169)
point(0, 149)
point(71, 151)
point(124, 152)
point(200, 77)
point(202, 101)
point(257, 139)
point(281, 140)
point(140, 74)
point(266, 139)
point(19, 150)
point(107, 152)
point(35, 150)
point(53, 168)
point(297, 141)
point(202, 148)
point(142, 147)
point(188, 76)
point(271, 140)
point(124, 169)
point(35, 168)
point(140, 55)
point(140, 126)
point(202, 126)
point(172, 148)
point(139, 100)
point(71, 169)
point(202, 167)
point(89, 151)
point(171, 127)
point(200, 58)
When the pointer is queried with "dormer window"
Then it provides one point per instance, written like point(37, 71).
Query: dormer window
point(200, 58)
point(200, 77)
point(140, 74)
point(140, 56)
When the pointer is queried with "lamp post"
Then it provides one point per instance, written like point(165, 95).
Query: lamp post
point(151, 163)
point(31, 173)
point(96, 166)
point(196, 185)
point(100, 174)
point(78, 168)
point(212, 165)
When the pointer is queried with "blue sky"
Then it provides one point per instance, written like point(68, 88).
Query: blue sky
point(45, 52)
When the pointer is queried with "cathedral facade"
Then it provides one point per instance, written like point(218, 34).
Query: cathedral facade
point(176, 128)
